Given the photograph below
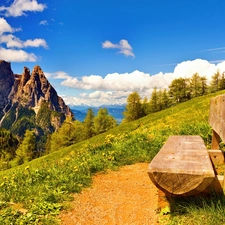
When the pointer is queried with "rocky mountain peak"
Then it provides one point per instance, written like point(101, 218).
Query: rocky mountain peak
point(31, 91)
point(37, 69)
point(4, 67)
point(6, 83)
point(25, 76)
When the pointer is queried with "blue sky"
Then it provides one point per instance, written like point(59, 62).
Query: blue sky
point(98, 51)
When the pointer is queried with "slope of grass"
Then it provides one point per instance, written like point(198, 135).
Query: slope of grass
point(35, 192)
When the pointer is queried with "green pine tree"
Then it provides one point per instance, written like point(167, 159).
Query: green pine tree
point(133, 110)
point(214, 84)
point(103, 121)
point(27, 148)
point(69, 133)
point(89, 123)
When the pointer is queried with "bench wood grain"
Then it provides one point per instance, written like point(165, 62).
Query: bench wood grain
point(182, 166)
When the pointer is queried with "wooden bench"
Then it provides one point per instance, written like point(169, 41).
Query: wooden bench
point(184, 166)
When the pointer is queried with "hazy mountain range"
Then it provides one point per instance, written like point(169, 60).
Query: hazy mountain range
point(114, 110)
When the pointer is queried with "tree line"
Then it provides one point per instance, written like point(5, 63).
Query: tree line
point(73, 131)
point(14, 151)
point(180, 90)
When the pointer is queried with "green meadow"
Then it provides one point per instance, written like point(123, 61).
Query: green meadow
point(36, 192)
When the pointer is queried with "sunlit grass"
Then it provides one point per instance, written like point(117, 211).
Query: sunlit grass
point(198, 211)
point(41, 187)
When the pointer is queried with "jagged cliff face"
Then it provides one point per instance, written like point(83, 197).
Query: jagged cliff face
point(32, 92)
point(6, 83)
point(33, 89)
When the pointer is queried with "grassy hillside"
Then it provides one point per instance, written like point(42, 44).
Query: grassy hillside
point(34, 193)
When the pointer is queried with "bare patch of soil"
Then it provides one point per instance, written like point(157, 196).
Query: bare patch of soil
point(126, 196)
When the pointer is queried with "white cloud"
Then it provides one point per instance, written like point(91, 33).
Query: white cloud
point(12, 41)
point(124, 46)
point(18, 7)
point(35, 43)
point(13, 55)
point(135, 81)
point(188, 68)
point(83, 95)
point(97, 98)
point(13, 44)
point(5, 27)
point(43, 22)
point(58, 75)
point(108, 44)
point(96, 94)
point(115, 87)
point(87, 83)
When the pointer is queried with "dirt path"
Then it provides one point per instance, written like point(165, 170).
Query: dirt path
point(119, 197)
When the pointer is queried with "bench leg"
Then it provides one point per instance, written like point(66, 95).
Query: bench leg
point(215, 140)
point(217, 186)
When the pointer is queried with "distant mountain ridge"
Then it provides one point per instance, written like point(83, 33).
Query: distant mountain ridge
point(114, 110)
point(29, 101)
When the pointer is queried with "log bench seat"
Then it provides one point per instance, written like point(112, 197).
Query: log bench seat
point(182, 166)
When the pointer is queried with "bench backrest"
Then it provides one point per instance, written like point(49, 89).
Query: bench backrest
point(217, 119)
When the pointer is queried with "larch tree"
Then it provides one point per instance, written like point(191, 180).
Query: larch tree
point(159, 100)
point(27, 148)
point(154, 100)
point(222, 82)
point(166, 103)
point(179, 90)
point(89, 123)
point(69, 133)
point(133, 110)
point(195, 85)
point(214, 84)
point(204, 86)
point(145, 106)
point(103, 121)
point(8, 146)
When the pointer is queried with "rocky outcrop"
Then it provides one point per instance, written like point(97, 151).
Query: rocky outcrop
point(32, 92)
point(6, 84)
point(32, 89)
